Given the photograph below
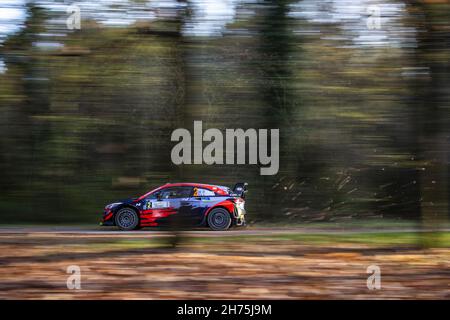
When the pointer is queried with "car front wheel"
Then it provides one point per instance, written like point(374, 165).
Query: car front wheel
point(127, 219)
point(219, 219)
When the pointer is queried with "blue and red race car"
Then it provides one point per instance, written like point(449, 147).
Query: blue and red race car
point(180, 204)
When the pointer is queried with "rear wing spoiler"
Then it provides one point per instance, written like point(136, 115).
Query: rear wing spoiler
point(240, 189)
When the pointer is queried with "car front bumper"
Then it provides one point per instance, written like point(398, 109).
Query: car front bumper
point(107, 218)
point(109, 223)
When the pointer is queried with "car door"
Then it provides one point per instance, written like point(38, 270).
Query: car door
point(167, 202)
point(194, 208)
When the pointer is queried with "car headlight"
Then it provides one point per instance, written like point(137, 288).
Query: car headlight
point(112, 205)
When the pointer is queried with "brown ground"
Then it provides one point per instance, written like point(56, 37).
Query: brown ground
point(33, 266)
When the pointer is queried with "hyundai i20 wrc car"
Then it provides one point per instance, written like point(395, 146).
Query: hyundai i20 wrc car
point(180, 204)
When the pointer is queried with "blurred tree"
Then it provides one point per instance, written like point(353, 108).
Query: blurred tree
point(434, 94)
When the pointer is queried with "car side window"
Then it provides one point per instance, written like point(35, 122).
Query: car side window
point(175, 193)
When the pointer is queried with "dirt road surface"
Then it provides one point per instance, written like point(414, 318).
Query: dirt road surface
point(264, 263)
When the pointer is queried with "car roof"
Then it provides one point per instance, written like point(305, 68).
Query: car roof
point(191, 184)
point(217, 189)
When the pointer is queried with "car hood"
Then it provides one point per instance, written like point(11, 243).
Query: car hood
point(127, 200)
point(119, 202)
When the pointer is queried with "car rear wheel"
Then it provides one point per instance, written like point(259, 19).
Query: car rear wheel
point(219, 219)
point(127, 219)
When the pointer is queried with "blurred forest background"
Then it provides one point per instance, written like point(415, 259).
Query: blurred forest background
point(362, 105)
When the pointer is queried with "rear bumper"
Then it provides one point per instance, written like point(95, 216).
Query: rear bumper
point(239, 216)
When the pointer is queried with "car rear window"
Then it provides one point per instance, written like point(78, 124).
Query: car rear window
point(205, 193)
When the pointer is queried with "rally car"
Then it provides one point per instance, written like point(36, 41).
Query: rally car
point(180, 204)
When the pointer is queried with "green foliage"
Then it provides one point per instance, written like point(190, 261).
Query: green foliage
point(90, 122)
